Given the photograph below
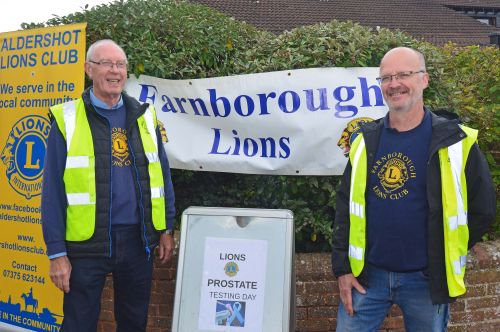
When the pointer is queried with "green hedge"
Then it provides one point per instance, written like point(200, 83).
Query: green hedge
point(179, 40)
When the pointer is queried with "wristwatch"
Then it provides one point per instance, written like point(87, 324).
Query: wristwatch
point(169, 232)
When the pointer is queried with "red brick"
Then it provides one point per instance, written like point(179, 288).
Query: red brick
point(159, 298)
point(317, 325)
point(166, 309)
point(109, 281)
point(483, 255)
point(107, 293)
point(393, 323)
point(158, 322)
point(106, 315)
point(482, 302)
point(321, 287)
point(476, 290)
point(484, 328)
point(322, 312)
point(395, 311)
point(300, 286)
point(315, 276)
point(494, 288)
point(478, 315)
point(458, 306)
point(154, 329)
point(162, 285)
point(466, 317)
point(107, 305)
point(491, 314)
point(482, 277)
point(155, 321)
point(106, 326)
point(316, 300)
point(300, 313)
point(153, 310)
point(163, 274)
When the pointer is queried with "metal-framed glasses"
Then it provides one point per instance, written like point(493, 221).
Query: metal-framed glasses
point(109, 64)
point(401, 76)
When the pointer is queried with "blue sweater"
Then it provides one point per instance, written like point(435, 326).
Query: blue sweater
point(397, 207)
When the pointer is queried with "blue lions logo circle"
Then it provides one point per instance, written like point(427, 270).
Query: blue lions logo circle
point(24, 154)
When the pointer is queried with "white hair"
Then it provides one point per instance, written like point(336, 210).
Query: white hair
point(91, 50)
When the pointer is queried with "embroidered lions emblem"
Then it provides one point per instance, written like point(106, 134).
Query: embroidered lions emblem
point(393, 174)
point(121, 156)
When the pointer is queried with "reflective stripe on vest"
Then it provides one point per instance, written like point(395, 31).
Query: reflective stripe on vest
point(357, 233)
point(147, 129)
point(454, 196)
point(79, 174)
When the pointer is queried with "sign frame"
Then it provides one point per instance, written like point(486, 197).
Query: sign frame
point(202, 225)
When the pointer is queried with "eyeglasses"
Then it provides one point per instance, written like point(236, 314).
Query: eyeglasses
point(402, 76)
point(109, 64)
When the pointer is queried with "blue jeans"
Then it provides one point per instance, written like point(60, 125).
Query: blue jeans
point(409, 290)
point(132, 274)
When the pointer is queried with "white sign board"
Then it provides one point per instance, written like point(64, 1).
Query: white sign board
point(235, 271)
point(233, 284)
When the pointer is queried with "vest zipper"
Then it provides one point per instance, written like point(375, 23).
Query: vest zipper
point(110, 190)
point(141, 206)
point(110, 182)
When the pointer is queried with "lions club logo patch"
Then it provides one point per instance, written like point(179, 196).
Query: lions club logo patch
point(350, 133)
point(393, 174)
point(120, 147)
point(393, 171)
point(24, 154)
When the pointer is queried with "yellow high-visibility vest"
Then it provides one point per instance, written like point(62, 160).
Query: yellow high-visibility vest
point(452, 161)
point(79, 173)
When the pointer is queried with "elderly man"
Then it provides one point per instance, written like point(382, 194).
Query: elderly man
point(415, 195)
point(107, 197)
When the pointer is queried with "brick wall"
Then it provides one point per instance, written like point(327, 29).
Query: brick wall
point(318, 297)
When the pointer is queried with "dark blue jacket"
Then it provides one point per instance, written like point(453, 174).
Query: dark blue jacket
point(481, 203)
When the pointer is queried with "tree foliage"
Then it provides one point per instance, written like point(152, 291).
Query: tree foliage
point(179, 40)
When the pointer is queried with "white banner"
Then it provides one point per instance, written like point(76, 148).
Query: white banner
point(233, 285)
point(295, 122)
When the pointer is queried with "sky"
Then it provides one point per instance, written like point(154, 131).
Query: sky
point(15, 12)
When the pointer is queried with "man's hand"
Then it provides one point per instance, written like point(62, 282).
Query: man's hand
point(60, 271)
point(346, 283)
point(166, 247)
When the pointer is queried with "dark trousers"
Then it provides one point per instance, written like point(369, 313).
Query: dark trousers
point(132, 273)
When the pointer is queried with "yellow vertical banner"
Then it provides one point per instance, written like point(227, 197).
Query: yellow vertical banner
point(38, 68)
